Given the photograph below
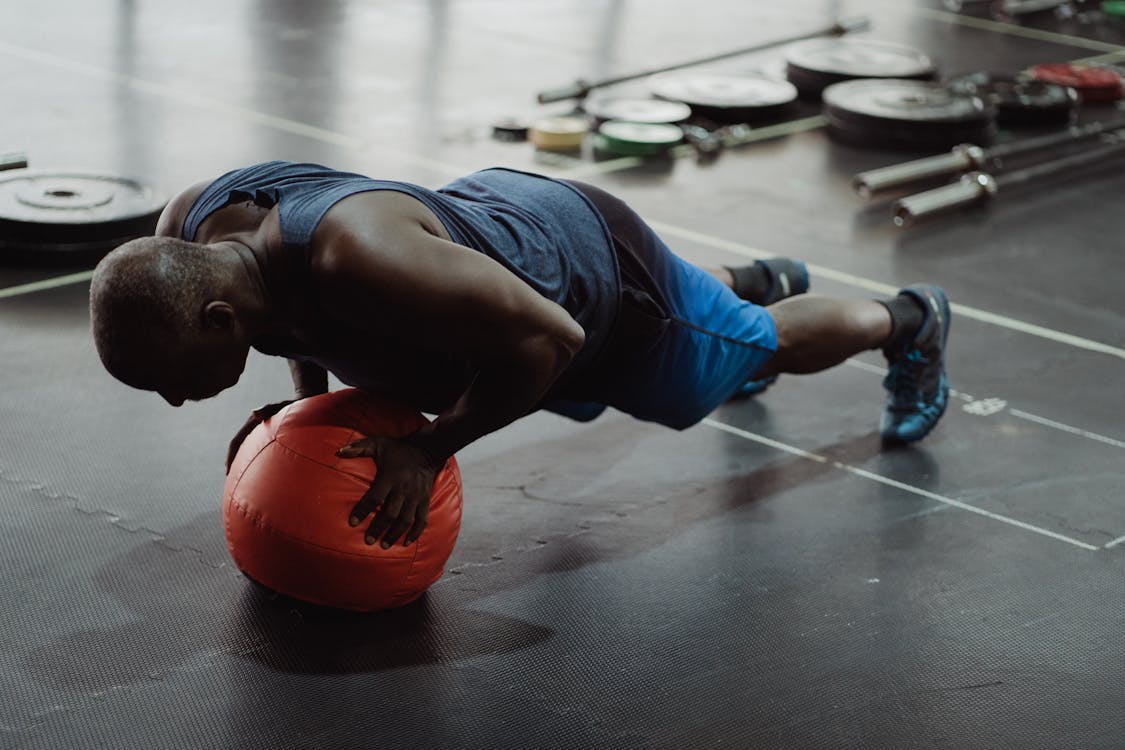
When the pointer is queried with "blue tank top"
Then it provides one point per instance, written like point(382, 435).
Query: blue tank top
point(543, 230)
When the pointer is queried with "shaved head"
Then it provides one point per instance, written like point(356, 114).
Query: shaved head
point(148, 295)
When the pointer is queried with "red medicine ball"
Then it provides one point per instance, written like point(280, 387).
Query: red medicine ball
point(288, 496)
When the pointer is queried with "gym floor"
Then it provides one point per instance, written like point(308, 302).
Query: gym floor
point(772, 577)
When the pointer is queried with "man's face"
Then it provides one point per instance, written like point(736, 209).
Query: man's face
point(193, 370)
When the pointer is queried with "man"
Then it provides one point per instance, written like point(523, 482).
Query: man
point(501, 293)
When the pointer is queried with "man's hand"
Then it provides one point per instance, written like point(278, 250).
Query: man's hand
point(404, 481)
point(259, 415)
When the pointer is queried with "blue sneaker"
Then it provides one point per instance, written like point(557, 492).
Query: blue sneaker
point(917, 389)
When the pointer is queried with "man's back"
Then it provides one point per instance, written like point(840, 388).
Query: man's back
point(543, 231)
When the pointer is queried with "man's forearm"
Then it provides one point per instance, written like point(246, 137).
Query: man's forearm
point(308, 379)
point(500, 394)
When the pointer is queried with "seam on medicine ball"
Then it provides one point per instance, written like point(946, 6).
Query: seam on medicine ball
point(410, 571)
point(334, 466)
point(255, 518)
point(249, 463)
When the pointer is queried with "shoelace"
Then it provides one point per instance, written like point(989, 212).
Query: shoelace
point(902, 378)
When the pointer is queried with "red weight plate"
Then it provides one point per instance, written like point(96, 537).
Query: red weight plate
point(1082, 77)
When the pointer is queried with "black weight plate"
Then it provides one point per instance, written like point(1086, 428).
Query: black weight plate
point(510, 130)
point(907, 137)
point(726, 98)
point(61, 217)
point(906, 114)
point(901, 101)
point(654, 111)
point(1021, 101)
point(813, 65)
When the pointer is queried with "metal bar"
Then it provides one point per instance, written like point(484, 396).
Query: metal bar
point(581, 88)
point(968, 156)
point(977, 187)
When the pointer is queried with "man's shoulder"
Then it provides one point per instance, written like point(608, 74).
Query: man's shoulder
point(171, 221)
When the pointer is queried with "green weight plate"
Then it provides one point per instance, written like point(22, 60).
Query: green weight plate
point(637, 138)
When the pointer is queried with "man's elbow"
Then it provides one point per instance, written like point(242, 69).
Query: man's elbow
point(552, 349)
point(572, 338)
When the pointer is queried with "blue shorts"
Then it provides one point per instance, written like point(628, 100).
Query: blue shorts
point(683, 342)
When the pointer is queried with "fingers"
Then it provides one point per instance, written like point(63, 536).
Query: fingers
point(391, 522)
point(232, 450)
point(259, 415)
point(421, 520)
point(399, 513)
point(366, 447)
point(368, 503)
point(399, 496)
point(239, 437)
point(262, 413)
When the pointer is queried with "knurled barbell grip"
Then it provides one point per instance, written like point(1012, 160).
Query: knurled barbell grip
point(965, 156)
point(971, 188)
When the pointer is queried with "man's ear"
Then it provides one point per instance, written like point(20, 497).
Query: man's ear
point(218, 315)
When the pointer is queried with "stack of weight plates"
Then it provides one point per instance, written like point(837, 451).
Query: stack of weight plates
point(726, 98)
point(1021, 101)
point(817, 63)
point(911, 115)
point(1095, 85)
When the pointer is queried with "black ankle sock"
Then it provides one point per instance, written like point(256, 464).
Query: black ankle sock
point(751, 283)
point(907, 315)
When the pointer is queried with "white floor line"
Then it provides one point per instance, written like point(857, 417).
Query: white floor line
point(39, 286)
point(860, 365)
point(896, 484)
point(1114, 543)
point(879, 287)
point(1108, 58)
point(1015, 30)
point(1067, 428)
